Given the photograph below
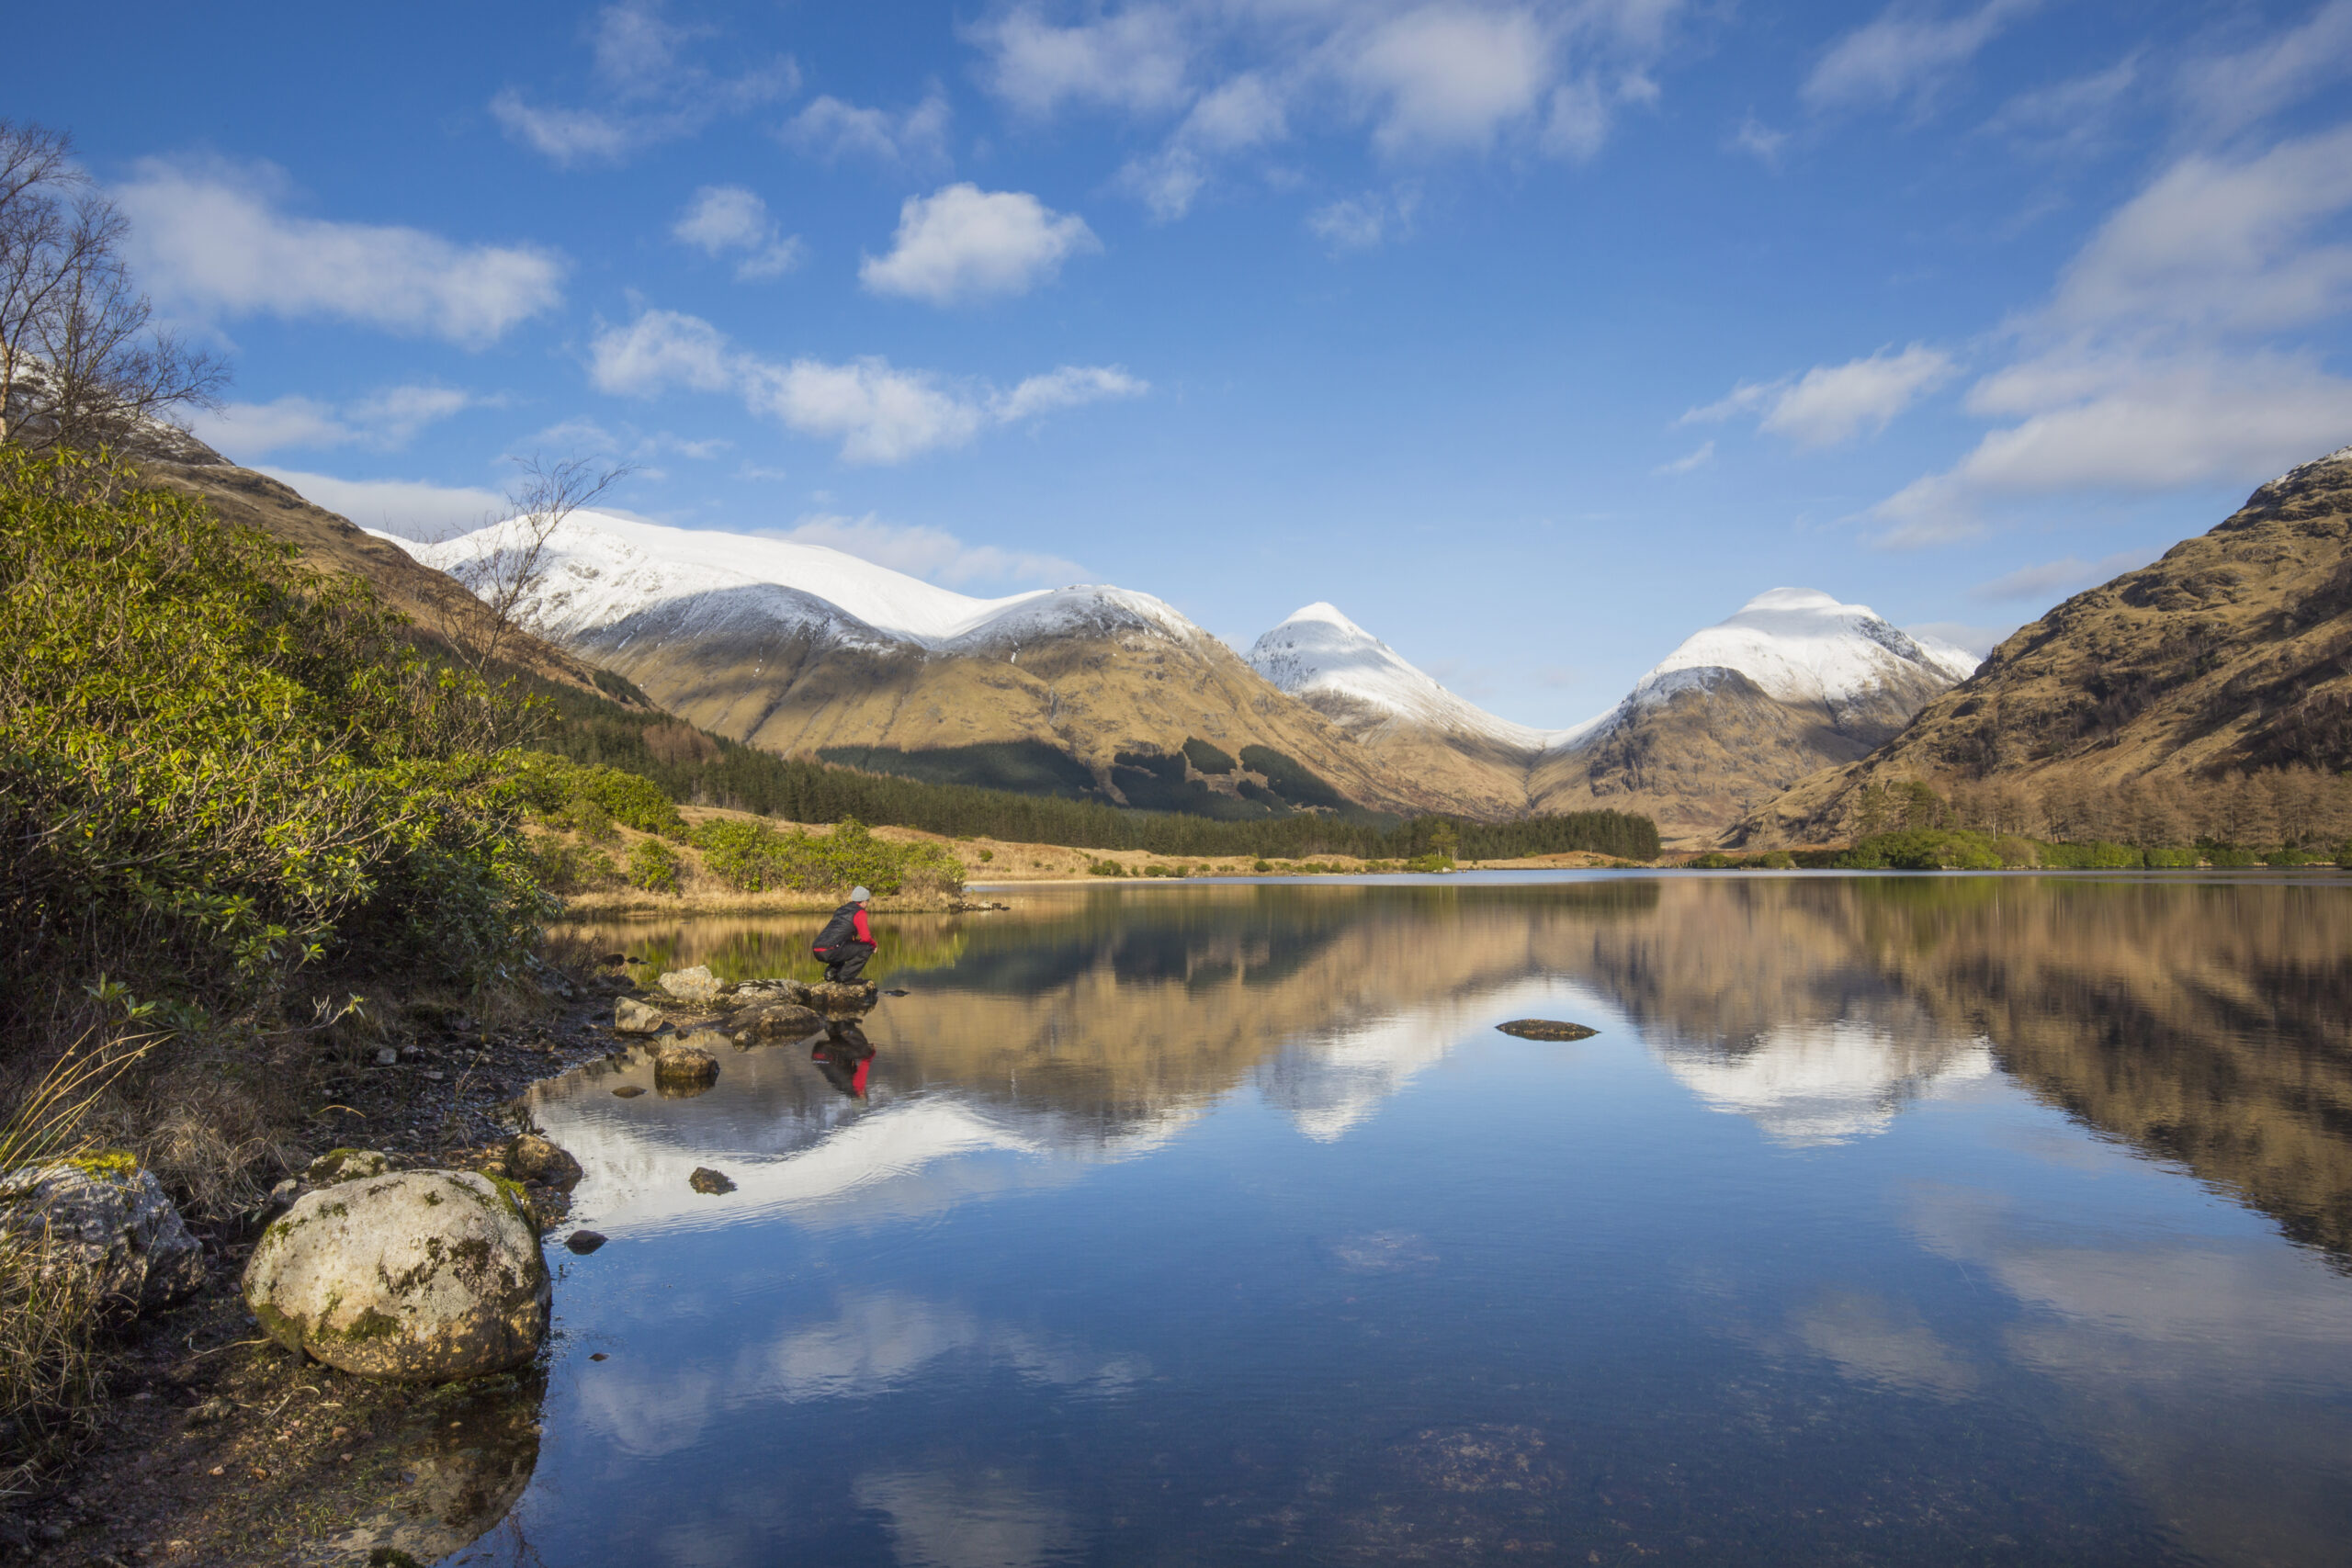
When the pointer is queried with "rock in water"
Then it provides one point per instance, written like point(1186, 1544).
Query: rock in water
point(584, 1242)
point(697, 984)
point(1546, 1028)
point(705, 1179)
point(682, 1071)
point(106, 1216)
point(841, 999)
point(345, 1164)
point(784, 1021)
point(417, 1276)
point(633, 1017)
point(629, 1091)
point(530, 1158)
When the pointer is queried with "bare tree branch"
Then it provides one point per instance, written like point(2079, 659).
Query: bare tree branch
point(505, 577)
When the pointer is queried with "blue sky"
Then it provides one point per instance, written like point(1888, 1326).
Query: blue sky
point(1534, 334)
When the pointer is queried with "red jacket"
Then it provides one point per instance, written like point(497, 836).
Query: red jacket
point(857, 923)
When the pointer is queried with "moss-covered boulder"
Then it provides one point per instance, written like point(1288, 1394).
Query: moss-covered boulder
point(347, 1165)
point(102, 1216)
point(417, 1276)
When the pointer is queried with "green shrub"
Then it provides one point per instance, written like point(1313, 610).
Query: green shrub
point(1105, 868)
point(752, 857)
point(1262, 868)
point(588, 818)
point(1925, 848)
point(2169, 859)
point(1429, 863)
point(653, 866)
point(2016, 852)
point(2095, 856)
point(987, 855)
point(1713, 860)
point(562, 867)
point(223, 768)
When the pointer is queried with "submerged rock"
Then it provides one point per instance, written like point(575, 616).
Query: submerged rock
point(347, 1165)
point(697, 984)
point(530, 1158)
point(633, 1017)
point(629, 1091)
point(1546, 1028)
point(683, 1063)
point(584, 1242)
point(420, 1275)
point(705, 1179)
point(110, 1220)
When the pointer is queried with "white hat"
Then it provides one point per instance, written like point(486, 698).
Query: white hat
point(859, 895)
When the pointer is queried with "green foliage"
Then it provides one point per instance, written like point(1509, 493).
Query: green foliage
point(752, 857)
point(1208, 759)
point(561, 867)
point(216, 768)
point(2168, 859)
point(1431, 863)
point(1262, 868)
point(2091, 857)
point(1105, 868)
point(1924, 848)
point(588, 818)
point(1290, 779)
point(653, 867)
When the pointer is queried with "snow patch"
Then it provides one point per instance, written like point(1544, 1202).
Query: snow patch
point(1319, 649)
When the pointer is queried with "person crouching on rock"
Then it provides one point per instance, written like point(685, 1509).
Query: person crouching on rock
point(847, 941)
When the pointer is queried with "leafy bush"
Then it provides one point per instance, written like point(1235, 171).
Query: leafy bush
point(653, 867)
point(1924, 848)
point(563, 867)
point(588, 818)
point(1105, 868)
point(217, 768)
point(2169, 859)
point(753, 857)
point(2096, 856)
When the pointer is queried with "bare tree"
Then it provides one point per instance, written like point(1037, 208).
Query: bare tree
point(81, 363)
point(503, 581)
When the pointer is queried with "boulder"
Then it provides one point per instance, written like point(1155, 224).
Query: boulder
point(530, 1158)
point(779, 1020)
point(705, 1179)
point(584, 1242)
point(107, 1218)
point(697, 984)
point(841, 999)
point(629, 1091)
point(345, 1164)
point(633, 1017)
point(683, 1064)
point(414, 1276)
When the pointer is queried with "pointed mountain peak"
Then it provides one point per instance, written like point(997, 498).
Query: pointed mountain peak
point(1318, 653)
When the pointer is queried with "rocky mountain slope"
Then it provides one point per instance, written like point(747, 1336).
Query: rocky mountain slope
point(1793, 681)
point(1415, 726)
point(2233, 652)
point(803, 650)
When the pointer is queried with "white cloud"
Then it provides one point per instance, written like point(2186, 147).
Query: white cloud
point(1134, 59)
point(2221, 243)
point(1448, 76)
point(1759, 142)
point(933, 554)
point(415, 509)
point(963, 244)
point(2057, 578)
point(2236, 90)
point(2146, 371)
point(2066, 116)
point(1067, 388)
point(1833, 403)
point(832, 130)
point(383, 421)
point(208, 238)
point(878, 412)
point(1690, 462)
point(658, 350)
point(723, 219)
point(1904, 52)
point(2134, 426)
point(1425, 78)
point(650, 91)
point(1359, 222)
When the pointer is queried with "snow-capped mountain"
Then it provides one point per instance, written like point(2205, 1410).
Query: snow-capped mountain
point(1801, 645)
point(603, 571)
point(1346, 672)
point(801, 650)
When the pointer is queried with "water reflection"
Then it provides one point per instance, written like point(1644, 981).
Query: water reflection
point(1878, 1223)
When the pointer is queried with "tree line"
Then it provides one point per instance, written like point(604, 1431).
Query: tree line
point(2289, 807)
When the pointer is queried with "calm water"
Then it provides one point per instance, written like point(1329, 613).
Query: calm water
point(1904, 1220)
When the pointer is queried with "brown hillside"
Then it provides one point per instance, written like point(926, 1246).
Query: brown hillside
point(331, 543)
point(2232, 653)
point(1698, 761)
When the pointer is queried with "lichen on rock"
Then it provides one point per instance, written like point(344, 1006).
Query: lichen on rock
point(422, 1275)
point(103, 1215)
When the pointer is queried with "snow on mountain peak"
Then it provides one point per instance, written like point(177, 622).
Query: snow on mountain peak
point(1798, 645)
point(602, 569)
point(1319, 650)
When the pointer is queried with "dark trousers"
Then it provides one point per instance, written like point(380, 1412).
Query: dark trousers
point(846, 962)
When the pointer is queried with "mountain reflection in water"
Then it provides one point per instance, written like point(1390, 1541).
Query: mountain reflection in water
point(1878, 1223)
